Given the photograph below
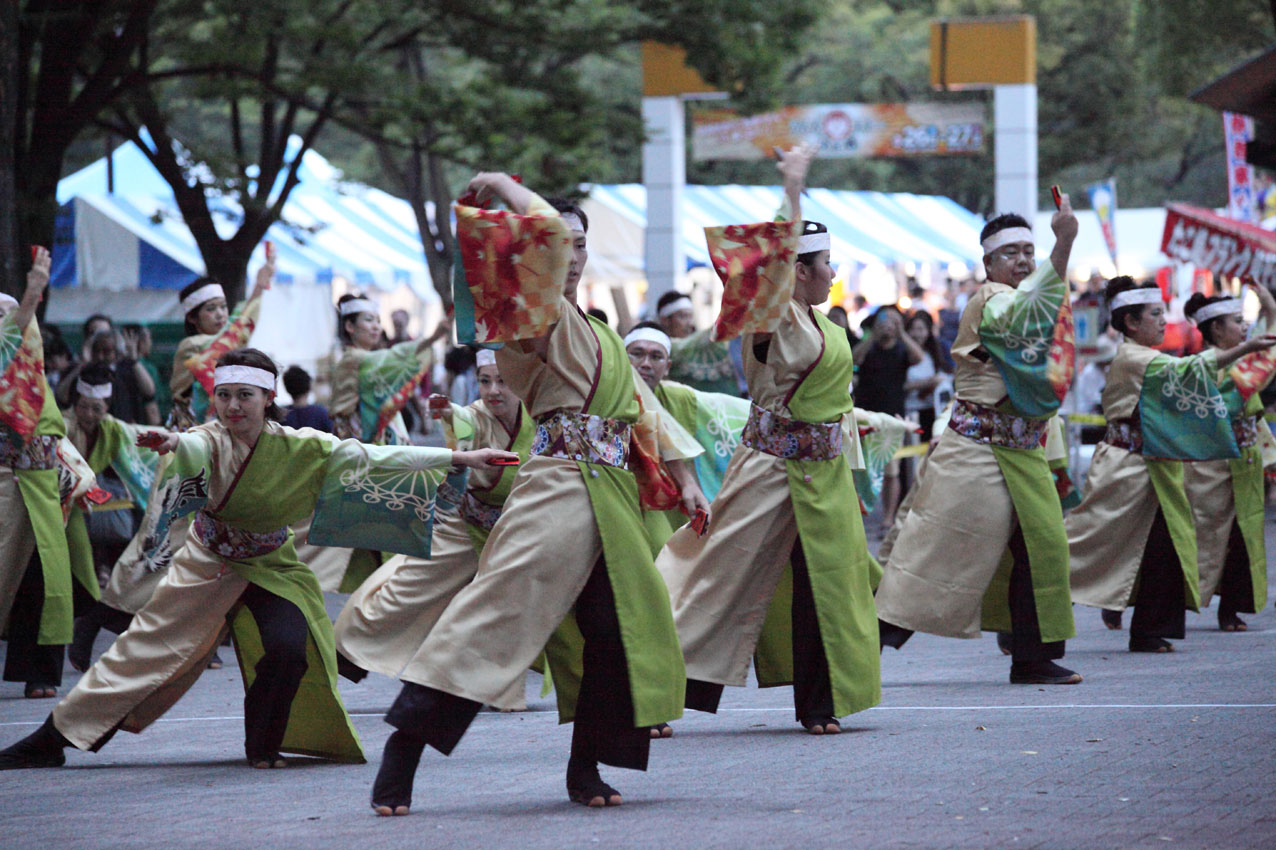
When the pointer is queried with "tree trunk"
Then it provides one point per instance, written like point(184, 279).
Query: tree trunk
point(229, 267)
point(11, 263)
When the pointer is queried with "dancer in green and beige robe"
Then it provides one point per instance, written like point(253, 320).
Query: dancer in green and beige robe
point(36, 586)
point(983, 545)
point(370, 386)
point(244, 479)
point(388, 617)
point(788, 496)
point(1132, 539)
point(567, 564)
point(1227, 496)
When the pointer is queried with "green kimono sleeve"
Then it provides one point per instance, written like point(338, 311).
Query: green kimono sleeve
point(1182, 412)
point(1029, 334)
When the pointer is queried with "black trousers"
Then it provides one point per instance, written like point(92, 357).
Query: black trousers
point(812, 687)
point(1025, 629)
point(278, 673)
point(1236, 586)
point(103, 616)
point(1160, 599)
point(604, 726)
point(27, 660)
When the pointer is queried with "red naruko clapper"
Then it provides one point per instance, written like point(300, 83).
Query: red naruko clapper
point(700, 523)
point(1057, 195)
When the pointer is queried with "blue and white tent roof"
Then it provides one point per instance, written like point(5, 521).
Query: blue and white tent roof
point(866, 227)
point(329, 228)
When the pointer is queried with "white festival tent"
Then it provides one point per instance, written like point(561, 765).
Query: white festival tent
point(127, 252)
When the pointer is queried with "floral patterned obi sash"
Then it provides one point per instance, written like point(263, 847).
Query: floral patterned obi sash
point(1246, 431)
point(479, 514)
point(1125, 434)
point(582, 436)
point(39, 452)
point(994, 428)
point(235, 543)
point(791, 439)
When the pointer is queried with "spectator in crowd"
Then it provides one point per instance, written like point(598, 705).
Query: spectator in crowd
point(142, 335)
point(882, 360)
point(132, 389)
point(674, 312)
point(600, 314)
point(462, 384)
point(837, 315)
point(860, 311)
point(302, 414)
point(93, 324)
point(58, 357)
point(399, 321)
point(926, 375)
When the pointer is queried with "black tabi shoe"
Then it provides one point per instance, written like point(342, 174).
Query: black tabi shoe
point(821, 725)
point(215, 663)
point(35, 690)
point(1229, 622)
point(392, 790)
point(42, 748)
point(267, 761)
point(1150, 644)
point(1042, 673)
point(80, 652)
point(1004, 643)
point(661, 730)
point(1111, 619)
point(586, 787)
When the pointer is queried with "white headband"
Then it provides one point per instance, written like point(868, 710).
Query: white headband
point(660, 338)
point(573, 222)
point(1142, 295)
point(358, 305)
point(485, 357)
point(205, 293)
point(92, 390)
point(1005, 237)
point(250, 375)
point(683, 303)
point(809, 242)
point(6, 299)
point(1216, 309)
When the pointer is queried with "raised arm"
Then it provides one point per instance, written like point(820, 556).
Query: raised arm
point(487, 185)
point(1064, 225)
point(37, 281)
point(1266, 302)
point(793, 166)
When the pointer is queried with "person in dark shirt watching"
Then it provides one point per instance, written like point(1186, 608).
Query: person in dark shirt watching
point(882, 360)
point(300, 414)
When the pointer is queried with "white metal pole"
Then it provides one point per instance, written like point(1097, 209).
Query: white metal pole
point(664, 173)
point(1015, 148)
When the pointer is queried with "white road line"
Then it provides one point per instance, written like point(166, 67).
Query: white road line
point(1079, 706)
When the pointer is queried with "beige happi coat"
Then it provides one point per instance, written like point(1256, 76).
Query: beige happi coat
point(753, 528)
point(961, 516)
point(388, 617)
point(547, 537)
point(1108, 531)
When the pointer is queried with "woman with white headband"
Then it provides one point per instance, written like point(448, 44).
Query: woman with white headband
point(370, 386)
point(1227, 496)
point(388, 617)
point(211, 330)
point(103, 441)
point(244, 479)
point(787, 507)
point(982, 546)
point(34, 558)
point(1132, 538)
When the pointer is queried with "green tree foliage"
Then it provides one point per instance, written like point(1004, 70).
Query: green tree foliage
point(1113, 79)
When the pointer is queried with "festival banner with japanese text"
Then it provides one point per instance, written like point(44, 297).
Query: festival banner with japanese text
point(1103, 201)
point(842, 130)
point(1241, 199)
point(1222, 245)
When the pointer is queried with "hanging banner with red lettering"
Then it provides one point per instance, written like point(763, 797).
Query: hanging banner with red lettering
point(1222, 245)
point(1241, 200)
point(841, 130)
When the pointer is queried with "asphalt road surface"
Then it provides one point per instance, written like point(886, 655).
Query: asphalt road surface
point(1150, 751)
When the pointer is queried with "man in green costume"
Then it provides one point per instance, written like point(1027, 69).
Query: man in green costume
point(568, 559)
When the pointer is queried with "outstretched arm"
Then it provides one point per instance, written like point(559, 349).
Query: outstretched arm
point(1231, 355)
